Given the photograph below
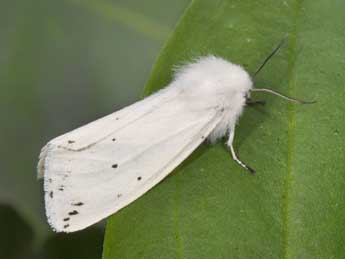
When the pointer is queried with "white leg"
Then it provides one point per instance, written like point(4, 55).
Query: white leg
point(234, 156)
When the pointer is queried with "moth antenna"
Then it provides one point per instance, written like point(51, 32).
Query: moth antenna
point(270, 56)
point(267, 90)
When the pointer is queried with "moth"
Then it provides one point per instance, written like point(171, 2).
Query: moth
point(97, 169)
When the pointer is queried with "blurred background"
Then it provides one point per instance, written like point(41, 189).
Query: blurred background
point(62, 64)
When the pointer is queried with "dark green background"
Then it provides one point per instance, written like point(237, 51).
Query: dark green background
point(62, 64)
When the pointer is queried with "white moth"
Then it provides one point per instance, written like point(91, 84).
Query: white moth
point(95, 170)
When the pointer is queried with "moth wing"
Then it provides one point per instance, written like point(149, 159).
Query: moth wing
point(89, 134)
point(93, 177)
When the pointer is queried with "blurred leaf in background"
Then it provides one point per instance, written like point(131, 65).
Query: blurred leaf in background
point(63, 64)
point(16, 235)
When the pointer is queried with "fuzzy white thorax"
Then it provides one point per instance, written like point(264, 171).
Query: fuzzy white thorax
point(212, 82)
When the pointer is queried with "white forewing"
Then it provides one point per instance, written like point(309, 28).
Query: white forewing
point(95, 170)
point(93, 132)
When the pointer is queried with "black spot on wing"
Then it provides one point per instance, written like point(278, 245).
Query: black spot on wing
point(71, 141)
point(66, 219)
point(139, 178)
point(78, 204)
point(73, 212)
point(114, 166)
point(61, 188)
point(66, 226)
point(51, 194)
point(113, 139)
point(119, 195)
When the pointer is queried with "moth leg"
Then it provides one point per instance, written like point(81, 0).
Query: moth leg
point(233, 153)
point(250, 102)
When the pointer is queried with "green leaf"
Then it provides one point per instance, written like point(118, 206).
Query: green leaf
point(294, 207)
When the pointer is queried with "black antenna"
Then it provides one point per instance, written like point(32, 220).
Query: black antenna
point(269, 56)
point(270, 90)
